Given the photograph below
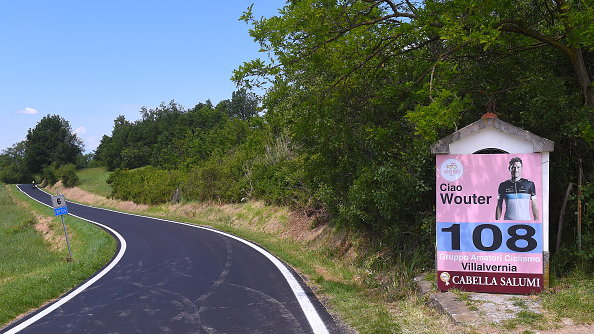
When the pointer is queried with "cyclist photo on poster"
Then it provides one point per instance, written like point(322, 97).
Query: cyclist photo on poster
point(519, 195)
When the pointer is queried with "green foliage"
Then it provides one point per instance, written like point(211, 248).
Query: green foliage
point(171, 137)
point(217, 179)
point(84, 160)
point(145, 185)
point(579, 18)
point(442, 112)
point(278, 177)
point(12, 167)
point(243, 104)
point(380, 200)
point(68, 175)
point(50, 175)
point(51, 142)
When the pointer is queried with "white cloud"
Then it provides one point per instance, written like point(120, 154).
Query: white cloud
point(80, 130)
point(91, 143)
point(28, 111)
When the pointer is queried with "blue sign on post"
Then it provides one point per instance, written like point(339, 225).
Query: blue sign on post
point(61, 211)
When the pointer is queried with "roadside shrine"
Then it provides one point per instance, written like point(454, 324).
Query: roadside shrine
point(492, 209)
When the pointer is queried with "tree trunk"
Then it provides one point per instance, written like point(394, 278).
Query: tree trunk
point(562, 216)
point(582, 76)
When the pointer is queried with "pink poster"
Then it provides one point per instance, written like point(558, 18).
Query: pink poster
point(489, 233)
point(475, 187)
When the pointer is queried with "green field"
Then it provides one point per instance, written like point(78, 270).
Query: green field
point(32, 271)
point(93, 181)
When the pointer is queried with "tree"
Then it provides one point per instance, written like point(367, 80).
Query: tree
point(12, 169)
point(51, 142)
point(243, 104)
point(109, 150)
point(307, 29)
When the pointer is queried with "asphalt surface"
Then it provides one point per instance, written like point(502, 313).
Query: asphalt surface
point(175, 278)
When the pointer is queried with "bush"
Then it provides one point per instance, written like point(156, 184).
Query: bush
point(50, 175)
point(14, 174)
point(281, 182)
point(67, 174)
point(271, 172)
point(221, 178)
point(148, 185)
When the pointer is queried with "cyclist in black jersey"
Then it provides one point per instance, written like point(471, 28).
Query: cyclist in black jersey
point(519, 195)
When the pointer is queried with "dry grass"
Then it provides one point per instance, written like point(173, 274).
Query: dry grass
point(48, 227)
point(256, 216)
point(79, 195)
point(51, 232)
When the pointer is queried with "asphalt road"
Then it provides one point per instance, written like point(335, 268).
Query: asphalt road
point(175, 278)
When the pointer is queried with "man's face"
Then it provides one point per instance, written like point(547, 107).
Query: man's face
point(516, 170)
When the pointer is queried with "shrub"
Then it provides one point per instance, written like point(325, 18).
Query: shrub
point(67, 174)
point(14, 174)
point(50, 175)
point(281, 182)
point(148, 185)
point(221, 178)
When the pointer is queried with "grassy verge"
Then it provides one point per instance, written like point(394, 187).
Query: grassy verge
point(93, 181)
point(33, 270)
point(572, 297)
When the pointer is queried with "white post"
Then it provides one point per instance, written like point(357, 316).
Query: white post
point(67, 241)
point(545, 217)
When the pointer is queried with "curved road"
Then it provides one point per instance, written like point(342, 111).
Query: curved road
point(176, 278)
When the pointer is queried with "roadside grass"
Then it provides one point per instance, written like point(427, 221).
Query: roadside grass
point(527, 318)
point(572, 297)
point(32, 271)
point(93, 181)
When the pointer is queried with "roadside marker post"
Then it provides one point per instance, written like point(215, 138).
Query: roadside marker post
point(60, 209)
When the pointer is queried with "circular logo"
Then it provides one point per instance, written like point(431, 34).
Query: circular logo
point(451, 169)
point(445, 277)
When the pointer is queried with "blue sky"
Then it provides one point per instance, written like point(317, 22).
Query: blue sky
point(90, 61)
